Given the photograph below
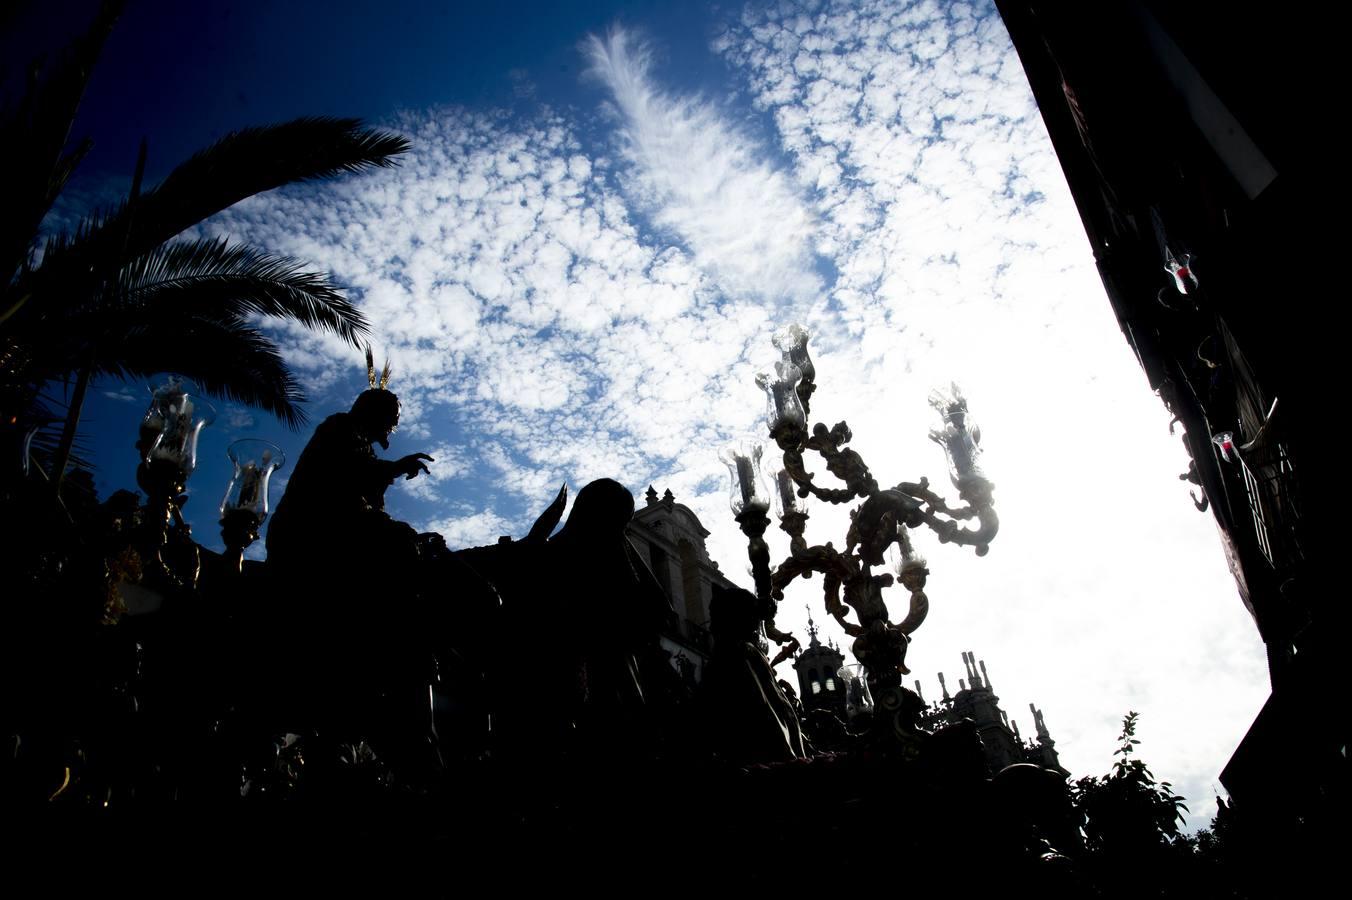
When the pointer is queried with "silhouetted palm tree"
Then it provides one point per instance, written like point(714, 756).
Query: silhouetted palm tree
point(117, 297)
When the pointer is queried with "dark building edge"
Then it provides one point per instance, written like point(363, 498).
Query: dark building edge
point(1198, 129)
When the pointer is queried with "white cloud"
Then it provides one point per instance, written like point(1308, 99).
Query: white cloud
point(707, 181)
point(473, 529)
point(541, 333)
point(447, 464)
point(521, 307)
point(238, 417)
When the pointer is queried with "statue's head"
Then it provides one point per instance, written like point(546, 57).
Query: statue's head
point(601, 511)
point(377, 415)
point(376, 410)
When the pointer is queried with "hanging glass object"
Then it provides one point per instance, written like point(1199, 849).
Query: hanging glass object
point(1225, 442)
point(1185, 279)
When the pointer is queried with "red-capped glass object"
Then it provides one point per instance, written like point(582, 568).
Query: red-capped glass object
point(1225, 442)
point(1185, 279)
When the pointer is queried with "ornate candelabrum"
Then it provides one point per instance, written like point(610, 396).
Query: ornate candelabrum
point(879, 528)
point(168, 447)
point(245, 505)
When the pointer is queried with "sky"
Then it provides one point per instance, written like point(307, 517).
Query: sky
point(609, 208)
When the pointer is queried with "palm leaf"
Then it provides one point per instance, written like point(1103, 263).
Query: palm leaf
point(215, 278)
point(238, 166)
point(182, 282)
point(226, 357)
point(33, 138)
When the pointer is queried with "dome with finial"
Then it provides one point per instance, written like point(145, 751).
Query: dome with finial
point(818, 668)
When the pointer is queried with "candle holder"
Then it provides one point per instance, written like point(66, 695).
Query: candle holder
point(168, 447)
point(750, 501)
point(784, 411)
point(245, 505)
point(858, 701)
point(879, 526)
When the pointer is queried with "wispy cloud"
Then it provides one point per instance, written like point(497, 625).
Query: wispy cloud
point(699, 175)
point(238, 418)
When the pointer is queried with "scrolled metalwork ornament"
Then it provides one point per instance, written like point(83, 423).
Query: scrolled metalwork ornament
point(878, 526)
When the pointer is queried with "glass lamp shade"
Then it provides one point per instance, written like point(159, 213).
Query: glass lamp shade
point(783, 408)
point(747, 489)
point(858, 699)
point(1185, 277)
point(791, 340)
point(255, 461)
point(1225, 442)
point(172, 424)
point(783, 495)
point(957, 434)
point(901, 557)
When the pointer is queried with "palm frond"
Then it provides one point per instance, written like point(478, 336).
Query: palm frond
point(227, 358)
point(238, 166)
point(215, 278)
point(34, 134)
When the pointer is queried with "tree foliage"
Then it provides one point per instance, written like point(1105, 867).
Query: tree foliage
point(120, 296)
point(1127, 812)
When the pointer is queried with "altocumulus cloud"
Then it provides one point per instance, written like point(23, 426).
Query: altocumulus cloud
point(522, 307)
point(563, 308)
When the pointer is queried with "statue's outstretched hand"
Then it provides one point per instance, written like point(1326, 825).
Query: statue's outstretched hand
point(411, 464)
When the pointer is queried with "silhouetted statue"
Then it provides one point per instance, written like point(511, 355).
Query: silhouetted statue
point(749, 718)
point(335, 499)
point(578, 649)
point(355, 641)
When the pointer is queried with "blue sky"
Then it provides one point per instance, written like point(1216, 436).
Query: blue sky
point(607, 211)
